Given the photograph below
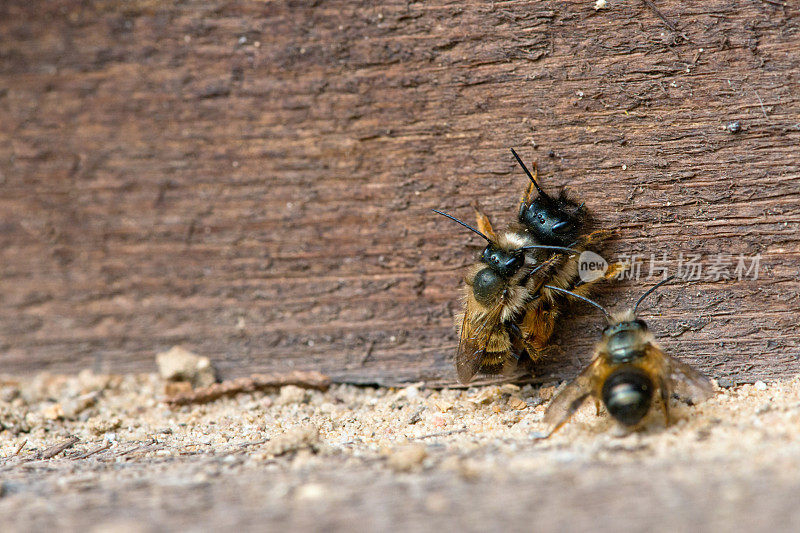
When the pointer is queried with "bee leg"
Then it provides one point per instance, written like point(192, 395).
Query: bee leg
point(584, 288)
point(519, 352)
point(614, 269)
point(536, 351)
point(517, 340)
point(597, 407)
point(539, 324)
point(595, 237)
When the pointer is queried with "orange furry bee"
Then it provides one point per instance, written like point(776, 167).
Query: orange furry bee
point(497, 290)
point(628, 369)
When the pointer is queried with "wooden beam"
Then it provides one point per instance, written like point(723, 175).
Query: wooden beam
point(254, 180)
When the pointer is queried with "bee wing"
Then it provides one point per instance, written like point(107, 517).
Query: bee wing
point(468, 354)
point(689, 384)
point(473, 342)
point(471, 348)
point(510, 365)
point(571, 397)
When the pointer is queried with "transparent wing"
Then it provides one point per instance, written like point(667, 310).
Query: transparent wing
point(687, 383)
point(571, 397)
point(468, 353)
point(473, 342)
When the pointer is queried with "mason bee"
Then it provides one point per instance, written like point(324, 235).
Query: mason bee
point(558, 221)
point(627, 371)
point(496, 293)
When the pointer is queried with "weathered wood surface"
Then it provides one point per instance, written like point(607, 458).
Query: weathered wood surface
point(254, 180)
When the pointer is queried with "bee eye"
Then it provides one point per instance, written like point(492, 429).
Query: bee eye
point(541, 218)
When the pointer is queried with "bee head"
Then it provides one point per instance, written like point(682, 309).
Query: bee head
point(505, 263)
point(627, 394)
point(551, 221)
point(554, 222)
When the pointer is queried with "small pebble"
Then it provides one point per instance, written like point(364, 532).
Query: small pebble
point(725, 382)
point(534, 402)
point(485, 395)
point(53, 412)
point(8, 393)
point(509, 388)
point(443, 405)
point(75, 406)
point(291, 394)
point(99, 425)
point(515, 402)
point(546, 393)
point(179, 364)
point(734, 127)
point(306, 436)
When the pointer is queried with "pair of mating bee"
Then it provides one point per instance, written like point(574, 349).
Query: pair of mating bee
point(519, 288)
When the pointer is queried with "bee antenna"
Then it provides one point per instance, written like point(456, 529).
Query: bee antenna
point(650, 291)
point(451, 217)
point(543, 247)
point(579, 297)
point(528, 172)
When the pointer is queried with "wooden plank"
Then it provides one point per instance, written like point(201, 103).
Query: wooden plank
point(254, 180)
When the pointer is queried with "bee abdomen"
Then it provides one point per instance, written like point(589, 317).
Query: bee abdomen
point(487, 286)
point(627, 394)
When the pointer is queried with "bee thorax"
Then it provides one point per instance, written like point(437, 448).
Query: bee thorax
point(487, 286)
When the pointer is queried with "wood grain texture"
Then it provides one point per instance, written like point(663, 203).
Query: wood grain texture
point(254, 180)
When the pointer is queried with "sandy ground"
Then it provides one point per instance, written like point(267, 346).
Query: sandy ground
point(387, 459)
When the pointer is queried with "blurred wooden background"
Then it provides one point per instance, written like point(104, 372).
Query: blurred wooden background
point(254, 180)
